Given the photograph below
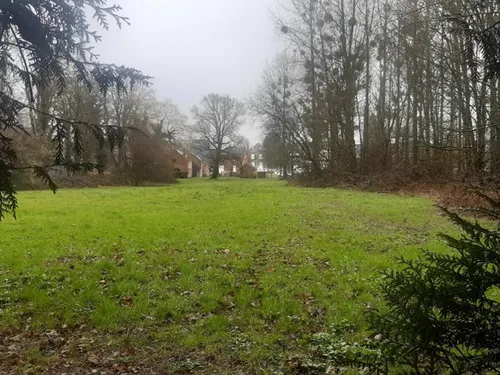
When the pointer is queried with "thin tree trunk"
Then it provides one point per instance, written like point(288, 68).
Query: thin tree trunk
point(366, 122)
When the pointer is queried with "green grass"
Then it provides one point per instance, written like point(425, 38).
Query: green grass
point(230, 271)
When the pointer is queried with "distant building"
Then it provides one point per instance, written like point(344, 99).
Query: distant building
point(189, 165)
point(247, 171)
point(198, 167)
point(256, 158)
point(229, 168)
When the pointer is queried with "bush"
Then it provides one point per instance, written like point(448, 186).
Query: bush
point(149, 162)
point(442, 311)
point(180, 174)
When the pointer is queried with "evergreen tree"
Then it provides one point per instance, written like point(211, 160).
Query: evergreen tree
point(443, 311)
point(40, 41)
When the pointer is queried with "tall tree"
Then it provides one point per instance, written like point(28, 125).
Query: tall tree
point(218, 119)
point(395, 77)
point(281, 103)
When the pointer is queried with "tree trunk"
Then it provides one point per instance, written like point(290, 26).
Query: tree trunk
point(495, 129)
point(366, 120)
point(215, 171)
point(397, 142)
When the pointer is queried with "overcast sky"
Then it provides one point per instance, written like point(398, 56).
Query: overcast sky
point(195, 47)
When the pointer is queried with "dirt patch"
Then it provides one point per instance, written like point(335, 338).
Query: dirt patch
point(70, 351)
point(81, 350)
point(447, 190)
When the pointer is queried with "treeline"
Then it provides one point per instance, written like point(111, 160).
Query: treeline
point(375, 86)
point(139, 128)
point(138, 139)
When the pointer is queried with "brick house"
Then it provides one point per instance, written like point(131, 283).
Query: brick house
point(179, 161)
point(198, 167)
point(190, 165)
point(247, 171)
point(229, 168)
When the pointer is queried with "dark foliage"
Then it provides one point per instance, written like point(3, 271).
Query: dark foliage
point(148, 160)
point(441, 315)
point(444, 309)
point(41, 40)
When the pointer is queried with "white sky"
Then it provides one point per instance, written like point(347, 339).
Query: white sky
point(195, 47)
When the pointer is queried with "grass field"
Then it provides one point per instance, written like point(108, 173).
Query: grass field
point(226, 277)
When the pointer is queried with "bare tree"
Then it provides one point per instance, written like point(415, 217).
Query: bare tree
point(218, 119)
point(386, 86)
point(170, 124)
point(241, 148)
point(127, 109)
point(282, 101)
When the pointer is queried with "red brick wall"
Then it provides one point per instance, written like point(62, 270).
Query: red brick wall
point(178, 161)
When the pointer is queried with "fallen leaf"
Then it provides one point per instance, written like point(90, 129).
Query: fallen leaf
point(93, 359)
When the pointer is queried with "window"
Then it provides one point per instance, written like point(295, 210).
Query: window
point(253, 156)
point(234, 169)
point(253, 164)
point(261, 166)
point(261, 157)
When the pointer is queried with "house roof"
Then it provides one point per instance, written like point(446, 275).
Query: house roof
point(194, 158)
point(175, 154)
point(248, 167)
point(256, 148)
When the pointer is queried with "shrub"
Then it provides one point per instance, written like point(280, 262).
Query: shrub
point(180, 174)
point(148, 160)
